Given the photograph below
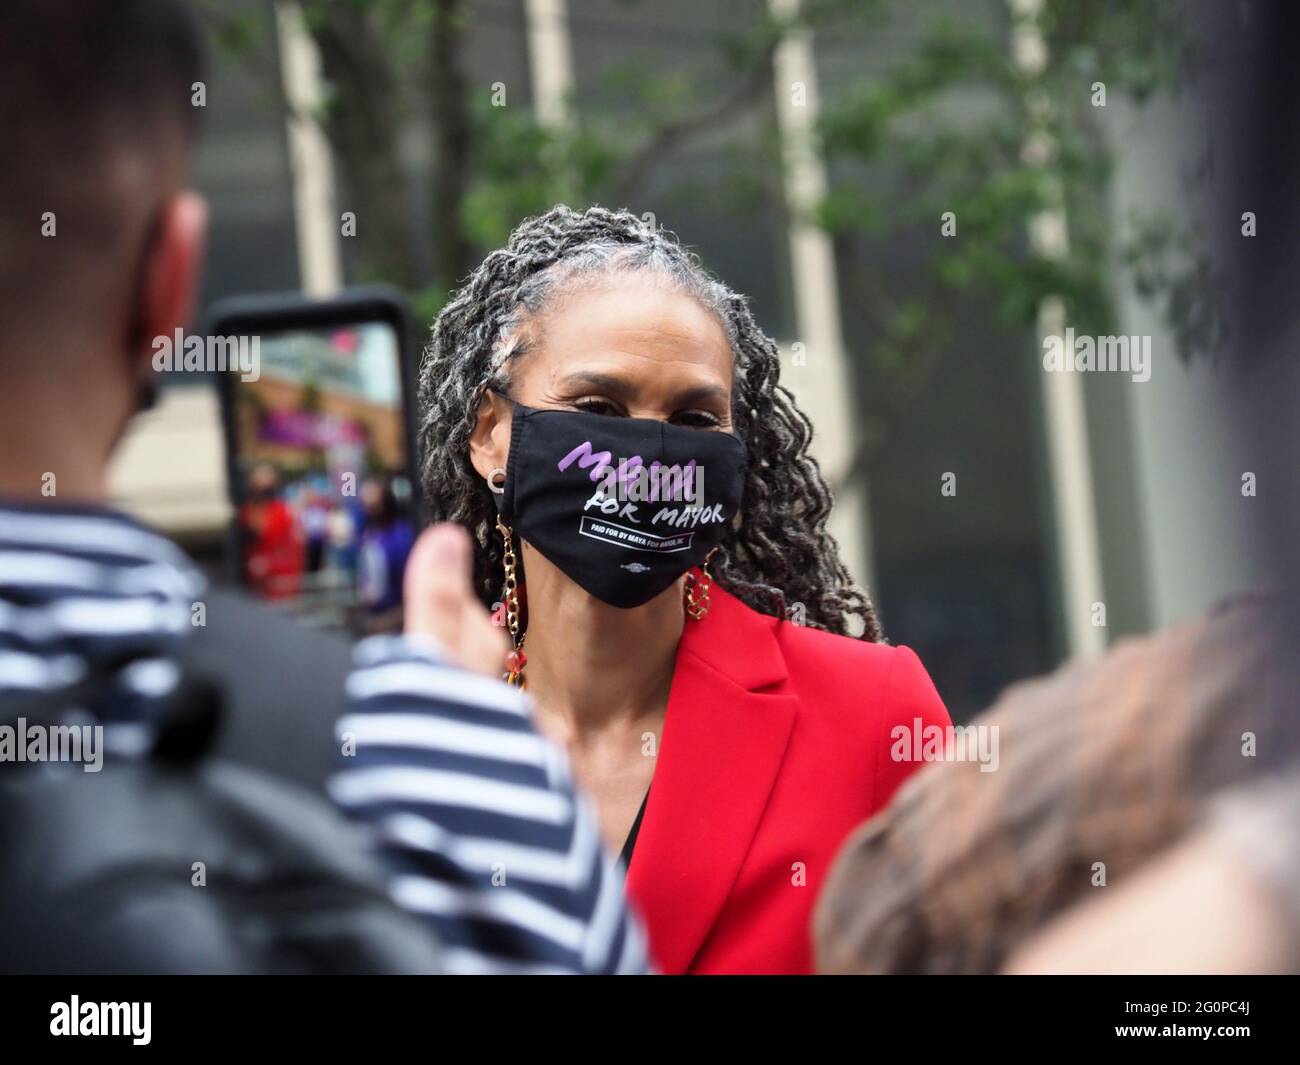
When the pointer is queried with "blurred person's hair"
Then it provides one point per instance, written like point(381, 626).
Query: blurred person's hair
point(97, 121)
point(389, 510)
point(780, 554)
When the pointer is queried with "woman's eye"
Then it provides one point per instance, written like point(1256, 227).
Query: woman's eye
point(597, 406)
point(691, 419)
point(696, 419)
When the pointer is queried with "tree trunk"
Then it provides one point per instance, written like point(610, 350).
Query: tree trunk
point(454, 258)
point(363, 124)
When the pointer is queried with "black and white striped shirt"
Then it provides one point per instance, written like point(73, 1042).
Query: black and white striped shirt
point(91, 596)
point(477, 817)
point(472, 810)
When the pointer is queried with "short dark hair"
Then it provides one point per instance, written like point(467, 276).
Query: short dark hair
point(85, 84)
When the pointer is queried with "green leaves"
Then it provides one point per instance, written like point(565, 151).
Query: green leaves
point(940, 133)
point(936, 131)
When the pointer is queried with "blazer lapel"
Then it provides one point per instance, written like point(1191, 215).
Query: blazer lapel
point(725, 735)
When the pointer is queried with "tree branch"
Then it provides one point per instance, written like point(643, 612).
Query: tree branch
point(663, 141)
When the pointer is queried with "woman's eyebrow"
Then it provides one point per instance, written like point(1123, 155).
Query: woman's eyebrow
point(702, 395)
point(598, 382)
point(621, 388)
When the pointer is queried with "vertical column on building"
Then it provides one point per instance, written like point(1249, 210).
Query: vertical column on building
point(311, 166)
point(1064, 414)
point(820, 377)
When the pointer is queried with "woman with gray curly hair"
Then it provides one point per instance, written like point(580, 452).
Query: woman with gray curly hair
point(604, 417)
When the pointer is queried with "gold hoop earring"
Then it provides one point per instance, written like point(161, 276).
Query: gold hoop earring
point(696, 595)
point(516, 659)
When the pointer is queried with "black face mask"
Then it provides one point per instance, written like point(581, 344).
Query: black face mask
point(623, 506)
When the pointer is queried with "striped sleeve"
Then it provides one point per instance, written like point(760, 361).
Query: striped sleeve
point(477, 820)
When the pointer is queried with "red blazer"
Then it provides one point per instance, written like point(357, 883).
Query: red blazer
point(775, 747)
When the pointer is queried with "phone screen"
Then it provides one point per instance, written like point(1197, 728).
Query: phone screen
point(325, 516)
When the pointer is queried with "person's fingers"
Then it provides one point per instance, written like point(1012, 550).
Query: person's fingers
point(437, 583)
point(440, 600)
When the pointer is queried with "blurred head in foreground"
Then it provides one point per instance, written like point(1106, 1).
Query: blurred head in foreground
point(100, 241)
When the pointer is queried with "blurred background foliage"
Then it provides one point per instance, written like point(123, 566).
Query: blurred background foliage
point(946, 122)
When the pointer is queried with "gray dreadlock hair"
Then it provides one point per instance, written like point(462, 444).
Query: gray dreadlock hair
point(779, 553)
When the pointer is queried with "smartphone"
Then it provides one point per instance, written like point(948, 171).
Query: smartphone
point(318, 420)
